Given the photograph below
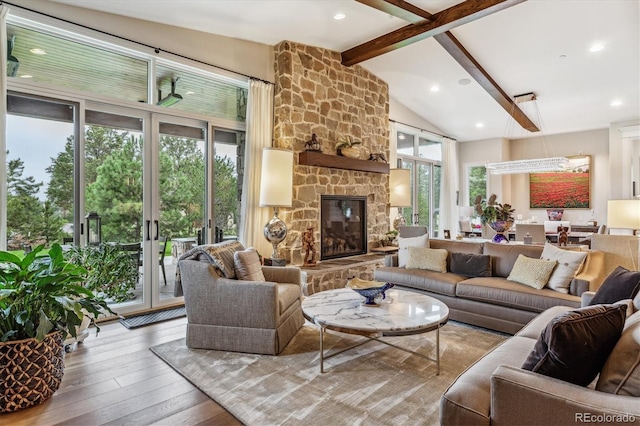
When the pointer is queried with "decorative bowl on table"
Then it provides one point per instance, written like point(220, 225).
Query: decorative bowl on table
point(370, 290)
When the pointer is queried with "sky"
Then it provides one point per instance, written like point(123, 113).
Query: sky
point(35, 142)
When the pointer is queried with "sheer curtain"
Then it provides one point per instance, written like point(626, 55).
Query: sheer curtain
point(259, 136)
point(3, 127)
point(450, 189)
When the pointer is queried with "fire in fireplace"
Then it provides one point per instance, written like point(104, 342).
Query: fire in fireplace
point(343, 226)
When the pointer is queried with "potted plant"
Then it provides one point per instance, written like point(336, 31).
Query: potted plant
point(500, 218)
point(346, 146)
point(41, 302)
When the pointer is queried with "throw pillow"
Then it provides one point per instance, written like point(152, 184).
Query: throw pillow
point(471, 265)
point(247, 265)
point(569, 264)
point(621, 372)
point(427, 258)
point(532, 272)
point(405, 243)
point(620, 284)
point(222, 256)
point(575, 345)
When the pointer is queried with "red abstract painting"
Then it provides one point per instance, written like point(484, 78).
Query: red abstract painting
point(569, 189)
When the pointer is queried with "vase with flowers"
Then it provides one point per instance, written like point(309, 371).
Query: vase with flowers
point(500, 218)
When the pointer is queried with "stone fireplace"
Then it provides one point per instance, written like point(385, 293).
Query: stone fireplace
point(315, 93)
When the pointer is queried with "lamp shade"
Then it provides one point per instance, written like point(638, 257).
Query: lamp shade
point(623, 214)
point(276, 178)
point(399, 188)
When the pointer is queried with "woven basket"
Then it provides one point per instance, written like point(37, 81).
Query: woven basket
point(30, 371)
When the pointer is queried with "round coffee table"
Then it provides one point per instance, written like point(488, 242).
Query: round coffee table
point(402, 313)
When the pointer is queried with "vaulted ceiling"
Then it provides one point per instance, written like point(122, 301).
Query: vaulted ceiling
point(540, 46)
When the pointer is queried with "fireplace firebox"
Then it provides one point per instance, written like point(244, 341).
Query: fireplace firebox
point(343, 226)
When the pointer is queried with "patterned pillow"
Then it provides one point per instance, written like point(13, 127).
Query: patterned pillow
point(569, 264)
point(247, 265)
point(427, 258)
point(222, 256)
point(532, 272)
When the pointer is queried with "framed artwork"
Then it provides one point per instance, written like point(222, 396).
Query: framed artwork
point(447, 234)
point(569, 189)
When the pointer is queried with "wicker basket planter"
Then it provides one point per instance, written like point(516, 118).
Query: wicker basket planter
point(30, 371)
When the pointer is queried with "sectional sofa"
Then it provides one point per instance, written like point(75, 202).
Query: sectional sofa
point(491, 301)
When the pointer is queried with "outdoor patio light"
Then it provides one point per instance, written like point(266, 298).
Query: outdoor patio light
point(172, 98)
point(276, 190)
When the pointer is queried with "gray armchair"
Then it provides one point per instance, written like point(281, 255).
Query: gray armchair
point(241, 316)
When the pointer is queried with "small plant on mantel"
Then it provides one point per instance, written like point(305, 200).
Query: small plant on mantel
point(346, 146)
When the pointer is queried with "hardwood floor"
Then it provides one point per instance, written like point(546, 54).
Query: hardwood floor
point(114, 379)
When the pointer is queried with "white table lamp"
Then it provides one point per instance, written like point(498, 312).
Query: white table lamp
point(625, 214)
point(276, 190)
point(399, 193)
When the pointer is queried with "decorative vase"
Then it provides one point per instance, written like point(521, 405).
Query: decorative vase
point(32, 371)
point(350, 152)
point(501, 226)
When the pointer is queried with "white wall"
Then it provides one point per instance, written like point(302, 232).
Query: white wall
point(244, 57)
point(400, 113)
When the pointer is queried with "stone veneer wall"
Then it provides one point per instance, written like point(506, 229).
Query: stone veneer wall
point(315, 93)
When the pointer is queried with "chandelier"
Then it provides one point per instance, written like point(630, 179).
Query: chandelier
point(535, 165)
point(553, 164)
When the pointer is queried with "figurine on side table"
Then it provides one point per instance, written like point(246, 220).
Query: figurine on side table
point(309, 247)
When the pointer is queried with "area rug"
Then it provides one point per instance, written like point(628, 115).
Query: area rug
point(373, 384)
point(153, 317)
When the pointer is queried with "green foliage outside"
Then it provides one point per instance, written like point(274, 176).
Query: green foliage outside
point(477, 183)
point(113, 189)
point(111, 272)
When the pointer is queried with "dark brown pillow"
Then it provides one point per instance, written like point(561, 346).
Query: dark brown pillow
point(471, 265)
point(619, 285)
point(575, 345)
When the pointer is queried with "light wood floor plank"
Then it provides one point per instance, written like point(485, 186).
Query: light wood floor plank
point(115, 379)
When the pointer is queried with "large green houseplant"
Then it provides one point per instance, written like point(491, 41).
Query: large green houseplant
point(42, 300)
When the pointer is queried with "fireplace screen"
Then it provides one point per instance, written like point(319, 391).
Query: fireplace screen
point(343, 230)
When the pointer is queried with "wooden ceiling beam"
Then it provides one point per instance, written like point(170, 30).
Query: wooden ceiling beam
point(440, 22)
point(406, 11)
point(400, 9)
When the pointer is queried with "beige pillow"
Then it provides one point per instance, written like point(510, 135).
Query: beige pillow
point(532, 272)
point(621, 372)
point(247, 265)
point(405, 243)
point(427, 258)
point(569, 264)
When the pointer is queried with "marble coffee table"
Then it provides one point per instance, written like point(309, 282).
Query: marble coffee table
point(402, 313)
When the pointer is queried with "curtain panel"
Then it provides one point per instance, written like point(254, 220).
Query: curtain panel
point(259, 136)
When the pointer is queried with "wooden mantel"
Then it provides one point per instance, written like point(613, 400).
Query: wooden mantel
point(318, 159)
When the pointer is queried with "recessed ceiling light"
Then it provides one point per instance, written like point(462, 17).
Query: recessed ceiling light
point(596, 47)
point(339, 16)
point(479, 125)
point(26, 76)
point(401, 136)
point(37, 51)
point(464, 81)
point(434, 88)
point(189, 92)
point(616, 103)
